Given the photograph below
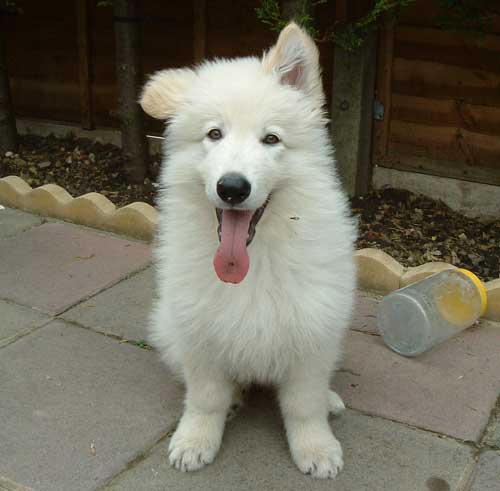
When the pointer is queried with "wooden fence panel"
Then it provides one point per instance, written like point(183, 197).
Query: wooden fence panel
point(42, 56)
point(442, 100)
point(61, 54)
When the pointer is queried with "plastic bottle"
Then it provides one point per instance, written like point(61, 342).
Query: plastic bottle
point(416, 318)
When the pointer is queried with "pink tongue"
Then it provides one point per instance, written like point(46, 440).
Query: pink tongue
point(231, 260)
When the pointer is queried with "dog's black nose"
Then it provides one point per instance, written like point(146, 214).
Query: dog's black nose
point(233, 188)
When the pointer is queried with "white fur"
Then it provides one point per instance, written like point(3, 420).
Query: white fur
point(283, 325)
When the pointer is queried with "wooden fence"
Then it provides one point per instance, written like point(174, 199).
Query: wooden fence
point(441, 97)
point(61, 53)
point(440, 91)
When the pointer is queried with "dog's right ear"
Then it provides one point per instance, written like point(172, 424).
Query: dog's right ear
point(295, 60)
point(164, 92)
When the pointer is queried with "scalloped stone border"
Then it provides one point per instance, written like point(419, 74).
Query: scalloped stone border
point(377, 270)
point(380, 272)
point(92, 209)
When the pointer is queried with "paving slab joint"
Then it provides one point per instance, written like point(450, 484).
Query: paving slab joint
point(468, 443)
point(491, 435)
point(101, 290)
point(138, 343)
point(468, 473)
point(138, 459)
point(12, 339)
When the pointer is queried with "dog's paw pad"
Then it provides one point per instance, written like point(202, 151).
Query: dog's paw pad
point(190, 455)
point(320, 462)
point(336, 405)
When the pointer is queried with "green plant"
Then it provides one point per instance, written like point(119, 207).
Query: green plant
point(349, 36)
point(352, 35)
point(142, 344)
point(269, 13)
point(471, 16)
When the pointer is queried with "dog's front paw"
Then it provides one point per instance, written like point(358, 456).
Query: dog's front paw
point(320, 459)
point(190, 451)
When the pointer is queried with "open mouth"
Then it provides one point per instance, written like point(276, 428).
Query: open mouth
point(236, 231)
point(257, 215)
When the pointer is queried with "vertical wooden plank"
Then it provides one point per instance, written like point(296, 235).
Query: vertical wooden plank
point(199, 30)
point(86, 110)
point(384, 90)
point(352, 114)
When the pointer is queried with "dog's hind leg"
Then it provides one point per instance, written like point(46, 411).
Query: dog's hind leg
point(336, 405)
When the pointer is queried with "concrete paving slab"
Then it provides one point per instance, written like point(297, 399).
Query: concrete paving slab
point(76, 406)
point(365, 312)
point(122, 310)
point(55, 265)
point(13, 222)
point(451, 389)
point(487, 473)
point(379, 455)
point(16, 321)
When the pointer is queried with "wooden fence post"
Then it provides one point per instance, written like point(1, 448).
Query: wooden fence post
point(129, 78)
point(352, 109)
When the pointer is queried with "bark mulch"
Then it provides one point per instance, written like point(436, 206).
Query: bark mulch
point(412, 229)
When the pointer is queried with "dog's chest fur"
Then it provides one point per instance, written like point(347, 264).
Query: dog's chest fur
point(296, 298)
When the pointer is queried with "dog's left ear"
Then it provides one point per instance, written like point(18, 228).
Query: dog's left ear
point(164, 92)
point(295, 60)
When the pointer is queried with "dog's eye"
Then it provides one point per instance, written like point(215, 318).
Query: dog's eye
point(270, 139)
point(214, 134)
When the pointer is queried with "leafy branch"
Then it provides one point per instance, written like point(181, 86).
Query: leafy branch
point(352, 35)
point(469, 16)
point(269, 13)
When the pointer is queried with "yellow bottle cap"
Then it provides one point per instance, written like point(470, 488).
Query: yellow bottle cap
point(480, 287)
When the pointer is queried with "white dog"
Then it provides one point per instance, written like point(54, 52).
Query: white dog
point(255, 247)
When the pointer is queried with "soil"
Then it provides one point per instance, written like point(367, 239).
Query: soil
point(412, 229)
point(78, 165)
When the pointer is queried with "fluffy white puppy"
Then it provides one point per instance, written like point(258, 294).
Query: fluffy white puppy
point(255, 247)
